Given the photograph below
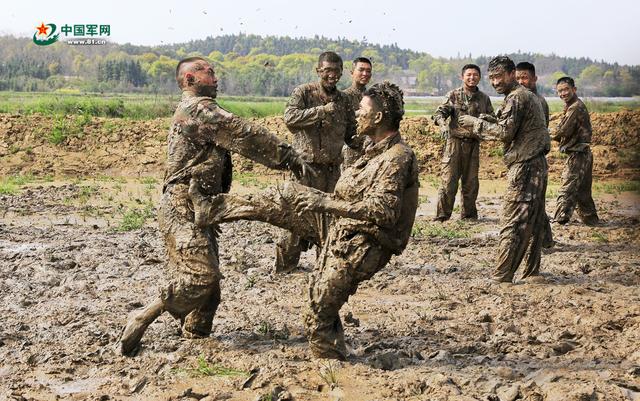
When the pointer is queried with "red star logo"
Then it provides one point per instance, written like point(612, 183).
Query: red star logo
point(42, 29)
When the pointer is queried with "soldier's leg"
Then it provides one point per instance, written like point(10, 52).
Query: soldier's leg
point(470, 184)
point(539, 221)
point(514, 239)
point(450, 174)
point(586, 207)
point(547, 240)
point(341, 267)
point(567, 195)
point(138, 324)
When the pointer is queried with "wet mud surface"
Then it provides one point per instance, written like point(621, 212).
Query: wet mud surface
point(427, 327)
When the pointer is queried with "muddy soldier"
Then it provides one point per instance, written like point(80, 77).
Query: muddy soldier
point(372, 211)
point(520, 125)
point(574, 135)
point(526, 76)
point(321, 120)
point(360, 76)
point(199, 141)
point(461, 155)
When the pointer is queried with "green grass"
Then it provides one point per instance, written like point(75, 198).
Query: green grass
point(204, 368)
point(135, 218)
point(253, 109)
point(617, 187)
point(11, 184)
point(599, 237)
point(65, 127)
point(457, 229)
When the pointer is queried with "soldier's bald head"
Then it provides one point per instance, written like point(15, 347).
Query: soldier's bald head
point(188, 64)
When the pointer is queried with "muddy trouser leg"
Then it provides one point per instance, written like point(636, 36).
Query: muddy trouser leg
point(524, 189)
point(336, 277)
point(568, 193)
point(539, 230)
point(450, 174)
point(470, 164)
point(586, 207)
point(547, 241)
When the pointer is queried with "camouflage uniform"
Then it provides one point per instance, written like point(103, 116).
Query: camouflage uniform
point(547, 242)
point(521, 127)
point(461, 158)
point(382, 188)
point(574, 135)
point(353, 152)
point(319, 137)
point(199, 141)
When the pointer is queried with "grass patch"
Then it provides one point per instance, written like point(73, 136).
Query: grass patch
point(65, 127)
point(617, 187)
point(496, 152)
point(599, 237)
point(253, 109)
point(457, 229)
point(135, 218)
point(11, 184)
point(328, 372)
point(204, 368)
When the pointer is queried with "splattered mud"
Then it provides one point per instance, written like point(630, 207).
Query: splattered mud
point(78, 255)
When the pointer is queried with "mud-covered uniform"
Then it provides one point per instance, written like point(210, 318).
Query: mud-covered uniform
point(574, 135)
point(461, 155)
point(521, 127)
point(319, 137)
point(199, 141)
point(379, 198)
point(352, 152)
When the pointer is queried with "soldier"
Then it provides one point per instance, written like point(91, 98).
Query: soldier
point(360, 77)
point(526, 76)
point(199, 141)
point(574, 135)
point(372, 211)
point(520, 125)
point(321, 120)
point(461, 158)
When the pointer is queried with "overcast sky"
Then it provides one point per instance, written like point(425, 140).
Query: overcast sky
point(608, 30)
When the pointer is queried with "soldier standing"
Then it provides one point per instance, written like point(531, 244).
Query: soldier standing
point(526, 76)
point(574, 135)
point(520, 125)
point(372, 211)
point(360, 77)
point(322, 121)
point(199, 141)
point(461, 158)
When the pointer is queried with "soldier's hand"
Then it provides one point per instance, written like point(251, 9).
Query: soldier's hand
point(444, 132)
point(310, 202)
point(329, 108)
point(300, 167)
point(466, 121)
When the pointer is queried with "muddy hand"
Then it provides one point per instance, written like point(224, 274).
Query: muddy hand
point(466, 121)
point(309, 202)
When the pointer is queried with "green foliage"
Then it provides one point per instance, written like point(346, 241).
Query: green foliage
point(328, 372)
point(204, 368)
point(617, 187)
point(135, 218)
point(457, 229)
point(497, 151)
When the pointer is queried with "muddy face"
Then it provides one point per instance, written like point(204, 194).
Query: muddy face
point(526, 79)
point(502, 80)
point(368, 117)
point(361, 74)
point(470, 78)
point(329, 74)
point(202, 79)
point(566, 92)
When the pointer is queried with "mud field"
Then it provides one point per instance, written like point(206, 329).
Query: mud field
point(80, 250)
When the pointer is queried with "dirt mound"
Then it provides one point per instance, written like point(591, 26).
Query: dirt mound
point(71, 146)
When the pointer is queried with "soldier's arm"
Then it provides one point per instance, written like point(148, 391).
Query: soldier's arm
point(249, 140)
point(545, 107)
point(489, 107)
point(444, 111)
point(506, 126)
point(296, 115)
point(567, 126)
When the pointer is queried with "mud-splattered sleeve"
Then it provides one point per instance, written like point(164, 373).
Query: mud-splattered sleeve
point(568, 124)
point(297, 115)
point(351, 127)
point(444, 110)
point(240, 136)
point(510, 117)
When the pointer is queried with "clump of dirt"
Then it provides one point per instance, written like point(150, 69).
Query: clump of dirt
point(128, 147)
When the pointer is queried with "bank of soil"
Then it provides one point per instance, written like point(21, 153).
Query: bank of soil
point(429, 326)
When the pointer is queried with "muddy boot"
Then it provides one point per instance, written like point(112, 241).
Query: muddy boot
point(137, 325)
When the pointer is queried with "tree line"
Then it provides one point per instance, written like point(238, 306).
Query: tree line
point(273, 66)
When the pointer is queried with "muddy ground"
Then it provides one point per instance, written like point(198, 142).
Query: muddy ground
point(427, 327)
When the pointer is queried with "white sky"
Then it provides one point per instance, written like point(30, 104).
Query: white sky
point(608, 30)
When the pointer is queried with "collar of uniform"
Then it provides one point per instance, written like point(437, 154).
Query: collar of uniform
point(464, 91)
point(571, 102)
point(377, 148)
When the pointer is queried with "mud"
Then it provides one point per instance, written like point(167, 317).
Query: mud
point(429, 326)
